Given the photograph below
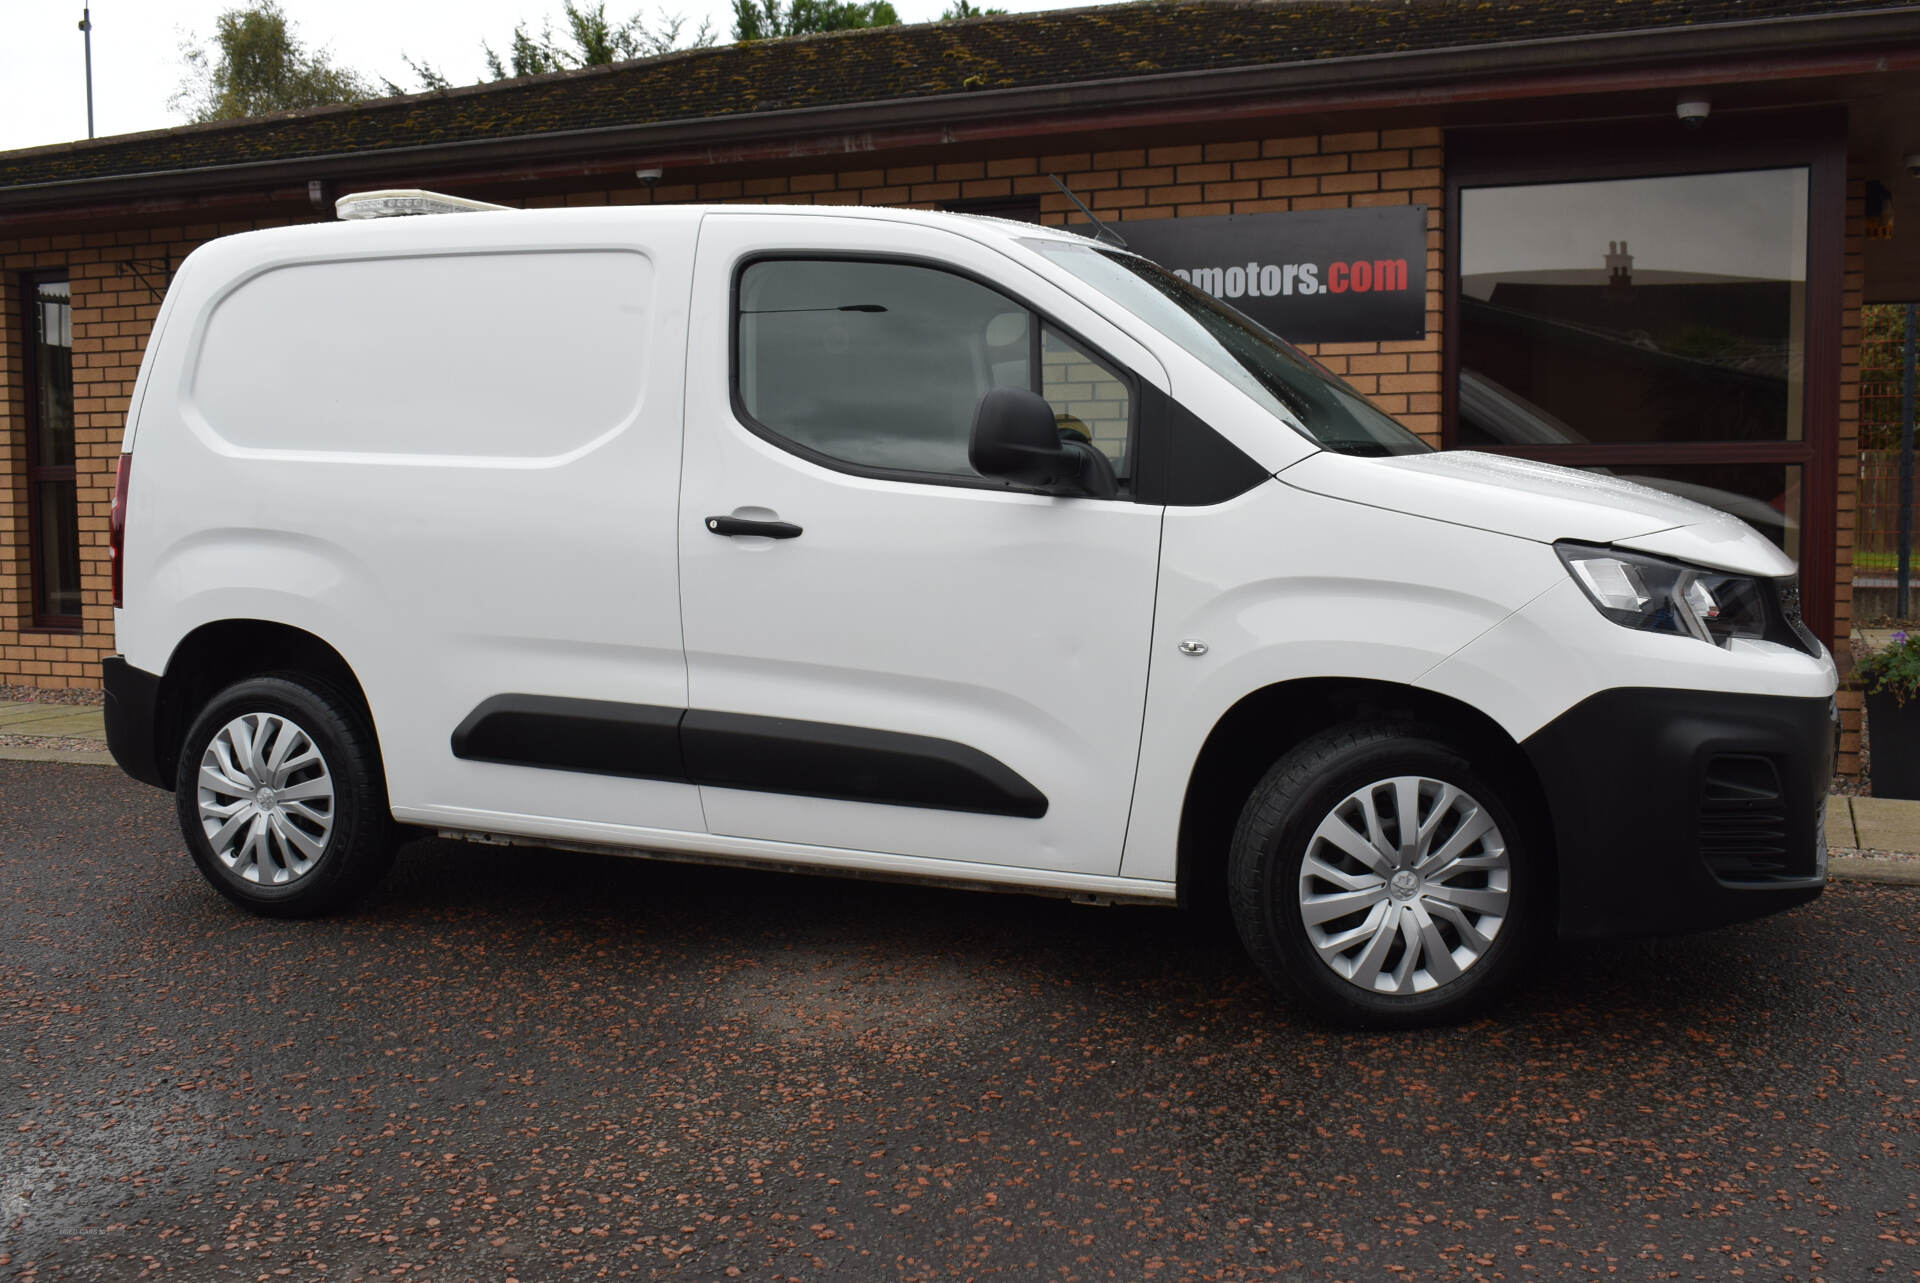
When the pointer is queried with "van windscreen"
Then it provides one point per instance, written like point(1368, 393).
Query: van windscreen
point(1287, 382)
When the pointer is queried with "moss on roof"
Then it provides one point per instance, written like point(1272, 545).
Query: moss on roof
point(846, 68)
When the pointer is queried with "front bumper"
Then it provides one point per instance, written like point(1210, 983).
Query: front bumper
point(1676, 810)
point(132, 712)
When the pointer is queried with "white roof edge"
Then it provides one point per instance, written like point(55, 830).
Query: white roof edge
point(891, 214)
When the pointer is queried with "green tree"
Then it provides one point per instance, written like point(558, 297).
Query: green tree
point(588, 39)
point(429, 77)
point(770, 19)
point(258, 65)
point(1883, 339)
point(967, 9)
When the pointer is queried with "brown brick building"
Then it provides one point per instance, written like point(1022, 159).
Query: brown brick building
point(1605, 285)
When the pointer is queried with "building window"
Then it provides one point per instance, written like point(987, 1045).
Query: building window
point(53, 512)
point(1652, 328)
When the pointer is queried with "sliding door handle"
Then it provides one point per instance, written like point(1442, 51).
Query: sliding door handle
point(731, 526)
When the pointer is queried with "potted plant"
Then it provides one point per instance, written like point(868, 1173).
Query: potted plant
point(1890, 677)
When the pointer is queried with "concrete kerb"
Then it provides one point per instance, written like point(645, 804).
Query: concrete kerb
point(1854, 868)
point(70, 756)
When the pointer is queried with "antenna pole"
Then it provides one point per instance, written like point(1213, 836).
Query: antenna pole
point(1101, 228)
point(86, 30)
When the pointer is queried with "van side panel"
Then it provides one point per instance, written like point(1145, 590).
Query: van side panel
point(449, 448)
point(1282, 584)
point(515, 356)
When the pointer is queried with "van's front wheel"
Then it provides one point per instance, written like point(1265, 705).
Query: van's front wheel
point(1384, 881)
point(281, 797)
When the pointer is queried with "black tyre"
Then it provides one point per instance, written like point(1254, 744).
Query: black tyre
point(1380, 878)
point(282, 799)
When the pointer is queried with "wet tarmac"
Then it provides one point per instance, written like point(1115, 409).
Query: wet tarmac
point(543, 1066)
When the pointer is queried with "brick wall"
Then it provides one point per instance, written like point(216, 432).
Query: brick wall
point(1325, 171)
point(113, 312)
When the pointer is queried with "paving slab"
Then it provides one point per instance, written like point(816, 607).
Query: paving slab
point(85, 721)
point(70, 756)
point(77, 725)
point(27, 714)
point(1886, 823)
point(1840, 830)
point(1869, 640)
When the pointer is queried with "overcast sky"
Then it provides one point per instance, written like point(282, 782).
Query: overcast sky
point(136, 49)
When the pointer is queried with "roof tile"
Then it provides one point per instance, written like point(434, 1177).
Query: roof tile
point(845, 68)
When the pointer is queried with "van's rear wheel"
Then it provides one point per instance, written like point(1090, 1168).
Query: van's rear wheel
point(1383, 880)
point(281, 797)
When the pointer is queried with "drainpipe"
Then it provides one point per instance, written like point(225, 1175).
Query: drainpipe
point(1906, 464)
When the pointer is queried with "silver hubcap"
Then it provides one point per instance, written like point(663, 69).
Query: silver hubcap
point(1404, 885)
point(266, 798)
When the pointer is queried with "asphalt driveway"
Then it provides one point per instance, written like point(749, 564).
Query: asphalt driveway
point(549, 1066)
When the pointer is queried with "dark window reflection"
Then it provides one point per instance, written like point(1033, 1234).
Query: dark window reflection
point(1634, 311)
point(57, 531)
point(53, 370)
point(883, 364)
point(54, 509)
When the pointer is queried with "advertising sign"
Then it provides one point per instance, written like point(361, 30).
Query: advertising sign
point(1318, 276)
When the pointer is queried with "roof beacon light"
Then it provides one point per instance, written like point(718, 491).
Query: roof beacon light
point(404, 201)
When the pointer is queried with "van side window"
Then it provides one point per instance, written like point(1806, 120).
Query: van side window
point(880, 365)
point(1086, 395)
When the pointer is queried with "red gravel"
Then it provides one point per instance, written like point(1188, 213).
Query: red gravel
point(65, 743)
point(516, 1064)
point(43, 695)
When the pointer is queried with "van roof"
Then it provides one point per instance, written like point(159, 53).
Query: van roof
point(529, 222)
point(926, 217)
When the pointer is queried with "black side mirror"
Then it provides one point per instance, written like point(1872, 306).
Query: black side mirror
point(1017, 438)
point(1014, 439)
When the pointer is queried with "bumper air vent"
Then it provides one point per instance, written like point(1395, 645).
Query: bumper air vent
point(1744, 834)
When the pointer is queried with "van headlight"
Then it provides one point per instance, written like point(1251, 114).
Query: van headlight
point(1655, 595)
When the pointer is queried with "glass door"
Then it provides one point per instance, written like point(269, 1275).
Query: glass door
point(1651, 328)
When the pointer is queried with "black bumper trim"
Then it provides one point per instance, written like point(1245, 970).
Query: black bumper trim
point(132, 708)
point(1626, 774)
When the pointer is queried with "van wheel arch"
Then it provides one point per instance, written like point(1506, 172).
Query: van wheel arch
point(1267, 723)
point(214, 656)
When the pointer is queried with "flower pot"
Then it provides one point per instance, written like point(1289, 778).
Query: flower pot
point(1895, 736)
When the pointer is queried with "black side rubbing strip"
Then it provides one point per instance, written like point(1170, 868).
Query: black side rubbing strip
point(596, 736)
point(737, 751)
point(851, 764)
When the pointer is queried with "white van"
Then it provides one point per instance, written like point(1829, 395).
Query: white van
point(927, 546)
